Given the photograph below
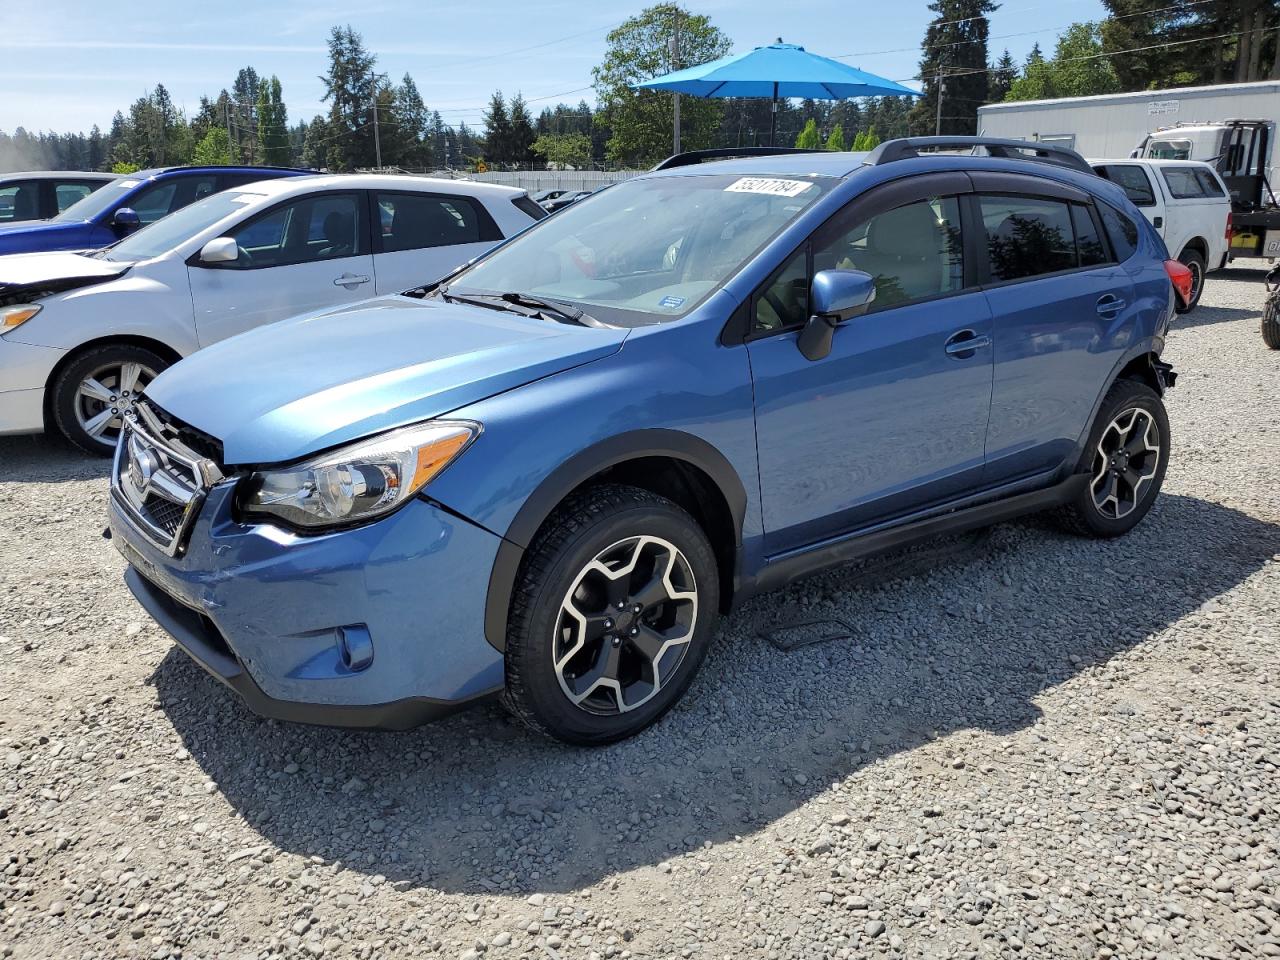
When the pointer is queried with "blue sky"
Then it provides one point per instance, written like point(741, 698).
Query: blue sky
point(67, 64)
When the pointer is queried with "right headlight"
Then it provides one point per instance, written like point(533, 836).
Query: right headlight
point(358, 482)
point(16, 315)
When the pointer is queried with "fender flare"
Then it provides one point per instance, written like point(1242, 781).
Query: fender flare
point(579, 468)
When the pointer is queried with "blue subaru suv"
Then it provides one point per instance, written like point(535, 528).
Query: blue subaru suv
point(127, 203)
point(546, 476)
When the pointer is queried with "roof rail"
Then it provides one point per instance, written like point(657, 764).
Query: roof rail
point(908, 147)
point(690, 157)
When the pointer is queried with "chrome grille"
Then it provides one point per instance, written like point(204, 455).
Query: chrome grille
point(158, 482)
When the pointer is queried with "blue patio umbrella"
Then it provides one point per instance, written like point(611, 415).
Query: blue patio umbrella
point(779, 70)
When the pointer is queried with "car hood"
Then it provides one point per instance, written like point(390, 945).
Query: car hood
point(42, 274)
point(300, 386)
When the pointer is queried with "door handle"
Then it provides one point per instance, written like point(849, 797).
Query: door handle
point(349, 280)
point(1109, 303)
point(1158, 222)
point(965, 343)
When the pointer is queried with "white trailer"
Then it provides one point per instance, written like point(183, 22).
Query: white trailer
point(1114, 125)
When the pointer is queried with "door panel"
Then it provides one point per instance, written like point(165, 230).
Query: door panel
point(1057, 334)
point(405, 269)
point(895, 418)
point(228, 302)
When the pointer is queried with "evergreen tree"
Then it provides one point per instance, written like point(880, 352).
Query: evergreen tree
point(1003, 74)
point(522, 136)
point(808, 138)
point(836, 140)
point(497, 131)
point(244, 109)
point(273, 125)
point(953, 65)
point(348, 86)
point(414, 122)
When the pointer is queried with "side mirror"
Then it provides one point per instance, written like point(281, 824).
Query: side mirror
point(126, 220)
point(837, 297)
point(220, 250)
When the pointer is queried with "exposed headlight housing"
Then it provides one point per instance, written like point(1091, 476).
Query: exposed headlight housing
point(17, 315)
point(358, 482)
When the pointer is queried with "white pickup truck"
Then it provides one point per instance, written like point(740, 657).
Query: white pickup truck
point(1187, 202)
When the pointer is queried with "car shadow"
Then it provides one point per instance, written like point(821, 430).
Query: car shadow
point(45, 459)
point(1203, 316)
point(477, 804)
point(1235, 273)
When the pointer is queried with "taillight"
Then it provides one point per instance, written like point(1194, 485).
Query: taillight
point(1229, 228)
point(1180, 276)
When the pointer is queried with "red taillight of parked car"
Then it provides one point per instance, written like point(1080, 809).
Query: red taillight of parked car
point(1180, 276)
point(1229, 229)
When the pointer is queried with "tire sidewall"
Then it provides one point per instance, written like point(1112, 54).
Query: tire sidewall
point(1195, 263)
point(1125, 395)
point(554, 710)
point(62, 403)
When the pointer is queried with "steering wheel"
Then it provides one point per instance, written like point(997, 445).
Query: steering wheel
point(778, 306)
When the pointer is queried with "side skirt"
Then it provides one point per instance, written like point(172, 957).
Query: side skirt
point(787, 568)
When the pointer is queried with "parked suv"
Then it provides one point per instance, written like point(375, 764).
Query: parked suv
point(1188, 204)
point(546, 476)
point(118, 208)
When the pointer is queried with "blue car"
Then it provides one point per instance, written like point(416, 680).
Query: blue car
point(545, 477)
point(127, 203)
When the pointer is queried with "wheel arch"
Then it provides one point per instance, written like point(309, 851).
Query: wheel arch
point(671, 463)
point(1198, 245)
point(147, 343)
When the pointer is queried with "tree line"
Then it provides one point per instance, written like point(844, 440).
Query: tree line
point(373, 121)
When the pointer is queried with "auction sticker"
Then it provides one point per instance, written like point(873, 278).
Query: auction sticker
point(769, 185)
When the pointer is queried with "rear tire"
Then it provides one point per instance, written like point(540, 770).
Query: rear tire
point(1271, 322)
point(1125, 459)
point(97, 388)
point(1194, 262)
point(611, 617)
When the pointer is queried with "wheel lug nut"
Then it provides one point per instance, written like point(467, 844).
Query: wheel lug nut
point(637, 608)
point(608, 624)
point(635, 631)
point(621, 605)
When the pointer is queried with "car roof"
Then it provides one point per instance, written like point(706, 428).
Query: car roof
point(233, 168)
point(377, 181)
point(1155, 162)
point(822, 163)
point(56, 175)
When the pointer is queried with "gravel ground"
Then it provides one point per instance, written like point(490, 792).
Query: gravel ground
point(1032, 746)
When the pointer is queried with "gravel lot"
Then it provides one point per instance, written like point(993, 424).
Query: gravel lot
point(1037, 747)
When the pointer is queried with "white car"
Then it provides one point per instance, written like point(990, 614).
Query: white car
point(82, 334)
point(1187, 202)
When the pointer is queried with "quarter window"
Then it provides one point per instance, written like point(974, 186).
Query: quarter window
point(1122, 232)
point(1189, 183)
point(1027, 236)
point(416, 221)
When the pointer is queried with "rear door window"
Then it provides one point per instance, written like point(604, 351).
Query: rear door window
point(1027, 236)
point(20, 201)
point(1132, 179)
point(415, 221)
point(65, 194)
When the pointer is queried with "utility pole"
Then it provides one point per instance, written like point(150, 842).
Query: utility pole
point(942, 86)
point(377, 142)
point(226, 112)
point(673, 51)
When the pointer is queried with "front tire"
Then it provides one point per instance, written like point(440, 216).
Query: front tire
point(93, 393)
point(1125, 459)
point(612, 614)
point(1271, 322)
point(1194, 262)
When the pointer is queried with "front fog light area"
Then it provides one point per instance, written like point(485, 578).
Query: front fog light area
point(357, 482)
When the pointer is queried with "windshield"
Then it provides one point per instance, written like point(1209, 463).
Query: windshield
point(647, 250)
point(1169, 150)
point(98, 201)
point(178, 227)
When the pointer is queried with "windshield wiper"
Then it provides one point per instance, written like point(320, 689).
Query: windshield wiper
point(532, 306)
